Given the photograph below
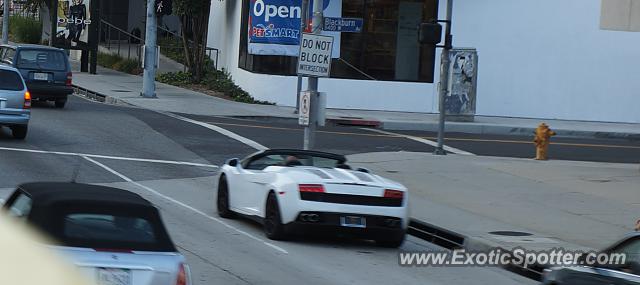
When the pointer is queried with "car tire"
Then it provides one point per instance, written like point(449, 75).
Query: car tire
point(222, 201)
point(273, 227)
point(391, 243)
point(19, 132)
point(60, 103)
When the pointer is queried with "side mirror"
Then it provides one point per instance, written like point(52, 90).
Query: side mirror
point(232, 162)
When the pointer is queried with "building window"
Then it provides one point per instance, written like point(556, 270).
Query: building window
point(386, 49)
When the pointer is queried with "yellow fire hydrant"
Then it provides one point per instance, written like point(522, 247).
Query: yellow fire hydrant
point(542, 140)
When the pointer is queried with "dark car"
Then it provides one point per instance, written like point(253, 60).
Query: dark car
point(627, 273)
point(46, 70)
point(109, 233)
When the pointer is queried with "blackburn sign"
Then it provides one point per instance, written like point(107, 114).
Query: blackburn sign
point(274, 26)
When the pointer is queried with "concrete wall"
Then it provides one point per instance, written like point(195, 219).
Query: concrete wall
point(538, 59)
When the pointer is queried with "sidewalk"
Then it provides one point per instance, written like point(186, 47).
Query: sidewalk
point(120, 87)
point(575, 205)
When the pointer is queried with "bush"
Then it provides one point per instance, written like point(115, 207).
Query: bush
point(128, 66)
point(108, 60)
point(175, 78)
point(221, 81)
point(25, 30)
point(116, 62)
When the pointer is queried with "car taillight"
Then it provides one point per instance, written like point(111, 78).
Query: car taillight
point(311, 188)
point(27, 100)
point(182, 275)
point(395, 194)
point(69, 77)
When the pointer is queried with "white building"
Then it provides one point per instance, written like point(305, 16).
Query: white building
point(537, 58)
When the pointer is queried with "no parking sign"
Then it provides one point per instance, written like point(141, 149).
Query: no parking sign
point(305, 108)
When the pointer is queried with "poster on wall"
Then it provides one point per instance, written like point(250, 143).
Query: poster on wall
point(274, 26)
point(72, 29)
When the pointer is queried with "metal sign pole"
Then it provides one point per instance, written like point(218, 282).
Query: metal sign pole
point(444, 79)
point(5, 22)
point(310, 130)
point(303, 26)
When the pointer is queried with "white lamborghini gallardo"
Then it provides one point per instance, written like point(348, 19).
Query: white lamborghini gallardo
point(299, 191)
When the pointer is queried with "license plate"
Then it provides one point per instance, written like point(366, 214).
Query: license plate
point(353, 222)
point(113, 276)
point(40, 76)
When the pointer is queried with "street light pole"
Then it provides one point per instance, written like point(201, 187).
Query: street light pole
point(5, 23)
point(150, 53)
point(303, 26)
point(444, 79)
point(310, 130)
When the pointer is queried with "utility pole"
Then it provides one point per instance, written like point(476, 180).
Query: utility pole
point(303, 27)
point(5, 23)
point(150, 53)
point(444, 78)
point(312, 84)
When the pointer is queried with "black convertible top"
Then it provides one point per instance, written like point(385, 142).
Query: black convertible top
point(48, 193)
point(52, 202)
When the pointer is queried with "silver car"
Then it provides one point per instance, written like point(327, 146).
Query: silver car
point(114, 236)
point(15, 102)
point(627, 273)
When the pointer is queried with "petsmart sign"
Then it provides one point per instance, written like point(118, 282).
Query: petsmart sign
point(274, 26)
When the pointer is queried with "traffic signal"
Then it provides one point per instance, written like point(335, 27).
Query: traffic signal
point(430, 33)
point(164, 7)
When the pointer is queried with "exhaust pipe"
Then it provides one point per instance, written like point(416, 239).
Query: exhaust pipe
point(309, 218)
point(313, 218)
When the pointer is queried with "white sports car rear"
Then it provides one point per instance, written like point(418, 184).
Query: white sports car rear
point(296, 191)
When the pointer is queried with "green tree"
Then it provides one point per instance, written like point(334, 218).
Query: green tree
point(194, 17)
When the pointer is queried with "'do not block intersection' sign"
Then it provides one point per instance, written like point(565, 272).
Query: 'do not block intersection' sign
point(315, 55)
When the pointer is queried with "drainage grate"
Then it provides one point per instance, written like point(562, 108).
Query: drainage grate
point(121, 91)
point(511, 233)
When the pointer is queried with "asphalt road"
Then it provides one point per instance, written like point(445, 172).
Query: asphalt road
point(172, 163)
point(351, 139)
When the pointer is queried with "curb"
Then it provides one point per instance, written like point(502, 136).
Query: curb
point(503, 130)
point(452, 241)
point(453, 127)
point(331, 121)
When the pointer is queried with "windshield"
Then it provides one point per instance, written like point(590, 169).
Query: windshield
point(41, 59)
point(293, 159)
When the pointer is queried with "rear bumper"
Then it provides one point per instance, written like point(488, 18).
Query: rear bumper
point(10, 117)
point(48, 91)
point(377, 227)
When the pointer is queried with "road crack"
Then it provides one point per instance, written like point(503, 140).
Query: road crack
point(215, 265)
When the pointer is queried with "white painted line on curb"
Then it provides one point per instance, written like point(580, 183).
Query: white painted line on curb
point(421, 140)
point(127, 179)
point(110, 157)
point(220, 130)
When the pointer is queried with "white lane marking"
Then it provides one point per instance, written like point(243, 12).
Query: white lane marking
point(421, 140)
point(127, 179)
point(110, 157)
point(220, 130)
